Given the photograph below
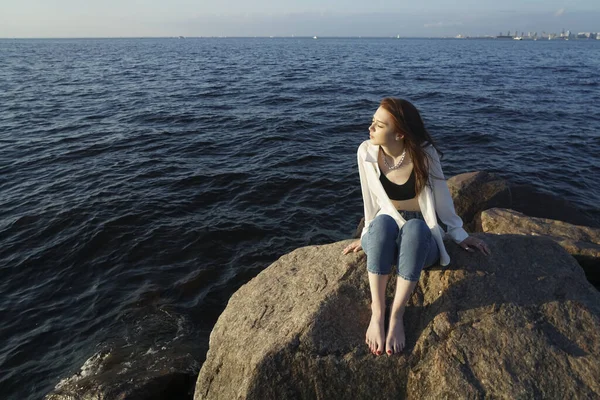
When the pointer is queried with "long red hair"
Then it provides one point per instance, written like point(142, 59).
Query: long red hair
point(407, 121)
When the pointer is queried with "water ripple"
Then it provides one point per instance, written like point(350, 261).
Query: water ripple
point(140, 174)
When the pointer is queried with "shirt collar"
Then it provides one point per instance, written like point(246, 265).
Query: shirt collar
point(372, 152)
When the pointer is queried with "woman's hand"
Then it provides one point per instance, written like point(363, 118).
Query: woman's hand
point(353, 247)
point(471, 243)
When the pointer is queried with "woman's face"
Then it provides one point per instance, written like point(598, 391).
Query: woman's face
point(381, 130)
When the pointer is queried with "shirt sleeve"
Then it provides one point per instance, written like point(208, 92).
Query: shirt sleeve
point(444, 205)
point(370, 205)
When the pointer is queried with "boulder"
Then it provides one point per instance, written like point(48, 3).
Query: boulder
point(110, 374)
point(582, 242)
point(152, 361)
point(521, 323)
point(474, 192)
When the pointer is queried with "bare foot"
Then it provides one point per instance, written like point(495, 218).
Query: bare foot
point(395, 338)
point(376, 334)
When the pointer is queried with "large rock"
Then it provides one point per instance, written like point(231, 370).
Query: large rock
point(582, 242)
point(113, 374)
point(522, 323)
point(151, 362)
point(474, 192)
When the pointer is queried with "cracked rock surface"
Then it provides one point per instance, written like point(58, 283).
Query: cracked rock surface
point(521, 323)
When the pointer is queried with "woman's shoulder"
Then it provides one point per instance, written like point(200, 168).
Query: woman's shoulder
point(364, 146)
point(427, 146)
point(430, 149)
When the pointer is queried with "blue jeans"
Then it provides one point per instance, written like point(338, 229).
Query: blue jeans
point(411, 248)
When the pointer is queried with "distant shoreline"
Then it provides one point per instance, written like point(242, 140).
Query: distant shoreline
point(288, 37)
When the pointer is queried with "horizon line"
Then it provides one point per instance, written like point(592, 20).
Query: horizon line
point(247, 37)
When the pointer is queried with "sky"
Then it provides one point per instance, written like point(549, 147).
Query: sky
point(421, 18)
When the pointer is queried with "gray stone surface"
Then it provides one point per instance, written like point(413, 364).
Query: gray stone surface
point(474, 192)
point(582, 242)
point(522, 323)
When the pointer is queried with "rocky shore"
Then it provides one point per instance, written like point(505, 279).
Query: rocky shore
point(522, 323)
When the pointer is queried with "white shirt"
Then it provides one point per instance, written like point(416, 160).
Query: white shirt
point(434, 199)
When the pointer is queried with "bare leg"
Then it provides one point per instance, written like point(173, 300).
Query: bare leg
point(375, 337)
point(395, 338)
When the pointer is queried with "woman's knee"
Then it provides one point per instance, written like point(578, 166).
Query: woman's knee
point(416, 227)
point(380, 244)
point(384, 225)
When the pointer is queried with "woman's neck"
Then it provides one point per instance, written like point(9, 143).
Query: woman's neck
point(395, 151)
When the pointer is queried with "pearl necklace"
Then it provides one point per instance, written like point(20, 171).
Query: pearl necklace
point(390, 167)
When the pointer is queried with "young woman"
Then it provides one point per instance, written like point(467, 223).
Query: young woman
point(404, 191)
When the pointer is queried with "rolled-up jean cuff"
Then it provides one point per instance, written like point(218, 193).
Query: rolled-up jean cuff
point(378, 273)
point(407, 278)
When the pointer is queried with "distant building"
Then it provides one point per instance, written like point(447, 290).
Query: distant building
point(563, 35)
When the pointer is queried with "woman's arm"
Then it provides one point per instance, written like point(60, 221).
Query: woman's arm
point(370, 205)
point(444, 206)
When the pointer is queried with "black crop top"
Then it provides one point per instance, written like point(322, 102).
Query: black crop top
point(399, 192)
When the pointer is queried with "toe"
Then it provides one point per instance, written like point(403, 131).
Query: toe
point(390, 346)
